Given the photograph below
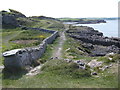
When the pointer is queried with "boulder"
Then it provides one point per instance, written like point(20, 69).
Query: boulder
point(94, 73)
point(94, 63)
point(9, 19)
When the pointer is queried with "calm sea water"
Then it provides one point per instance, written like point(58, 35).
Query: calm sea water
point(109, 29)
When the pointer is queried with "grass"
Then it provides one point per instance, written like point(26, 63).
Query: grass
point(9, 37)
point(49, 51)
point(71, 50)
point(31, 34)
point(6, 37)
point(61, 67)
point(106, 60)
point(59, 74)
point(77, 19)
point(42, 23)
point(72, 19)
point(56, 73)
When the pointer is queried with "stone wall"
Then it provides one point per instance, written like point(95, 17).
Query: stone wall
point(22, 58)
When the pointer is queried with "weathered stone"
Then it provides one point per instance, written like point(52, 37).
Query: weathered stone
point(9, 19)
point(94, 63)
point(68, 60)
point(22, 58)
point(104, 67)
point(94, 73)
point(94, 42)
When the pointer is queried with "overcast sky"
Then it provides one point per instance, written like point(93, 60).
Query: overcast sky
point(63, 8)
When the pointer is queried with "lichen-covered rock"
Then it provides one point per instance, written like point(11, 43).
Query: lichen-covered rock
point(94, 63)
point(9, 19)
point(93, 41)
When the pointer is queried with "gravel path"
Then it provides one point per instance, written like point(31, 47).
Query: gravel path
point(57, 53)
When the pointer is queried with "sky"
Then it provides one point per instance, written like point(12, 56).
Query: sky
point(63, 8)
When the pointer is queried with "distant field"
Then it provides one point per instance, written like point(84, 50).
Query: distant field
point(68, 18)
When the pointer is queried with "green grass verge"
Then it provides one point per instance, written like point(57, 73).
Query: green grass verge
point(59, 74)
point(71, 50)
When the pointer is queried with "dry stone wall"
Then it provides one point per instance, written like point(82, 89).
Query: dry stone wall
point(22, 58)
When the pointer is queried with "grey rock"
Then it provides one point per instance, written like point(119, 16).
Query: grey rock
point(93, 41)
point(94, 73)
point(94, 63)
point(19, 59)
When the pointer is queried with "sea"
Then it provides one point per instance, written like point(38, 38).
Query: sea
point(109, 29)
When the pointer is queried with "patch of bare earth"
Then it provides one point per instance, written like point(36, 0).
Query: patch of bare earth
point(24, 41)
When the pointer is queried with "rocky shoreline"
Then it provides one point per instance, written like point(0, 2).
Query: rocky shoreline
point(94, 41)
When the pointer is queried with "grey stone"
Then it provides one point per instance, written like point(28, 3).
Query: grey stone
point(94, 63)
point(20, 58)
point(94, 73)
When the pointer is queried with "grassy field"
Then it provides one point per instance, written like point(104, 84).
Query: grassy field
point(62, 19)
point(60, 74)
point(13, 38)
point(42, 23)
point(56, 73)
point(21, 38)
point(5, 37)
point(17, 38)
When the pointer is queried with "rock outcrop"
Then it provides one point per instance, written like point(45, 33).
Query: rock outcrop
point(9, 19)
point(94, 41)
